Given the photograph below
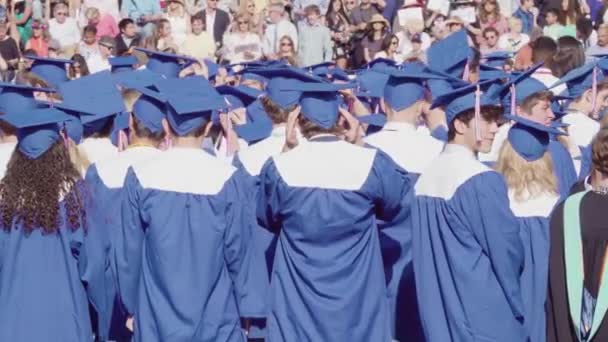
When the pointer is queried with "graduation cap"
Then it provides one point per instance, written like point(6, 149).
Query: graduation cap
point(247, 76)
point(120, 123)
point(450, 54)
point(530, 139)
point(582, 78)
point(374, 119)
point(123, 63)
point(137, 78)
point(496, 59)
point(166, 64)
point(328, 70)
point(519, 87)
point(95, 94)
point(150, 109)
point(487, 72)
point(380, 64)
point(51, 70)
point(37, 129)
point(191, 101)
point(370, 83)
point(465, 98)
point(443, 84)
point(18, 98)
point(239, 96)
point(320, 101)
point(280, 88)
point(405, 87)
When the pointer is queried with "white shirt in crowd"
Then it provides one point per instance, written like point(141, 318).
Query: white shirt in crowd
point(507, 43)
point(210, 23)
point(544, 75)
point(67, 33)
point(236, 44)
point(273, 34)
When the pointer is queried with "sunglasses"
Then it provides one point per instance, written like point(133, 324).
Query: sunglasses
point(251, 6)
point(490, 37)
point(38, 27)
point(61, 13)
point(243, 22)
point(76, 66)
point(285, 44)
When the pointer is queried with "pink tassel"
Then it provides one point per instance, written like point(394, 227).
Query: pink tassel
point(513, 102)
point(477, 113)
point(465, 74)
point(123, 141)
point(594, 91)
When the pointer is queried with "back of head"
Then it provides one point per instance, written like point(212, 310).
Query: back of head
point(570, 55)
point(599, 151)
point(543, 50)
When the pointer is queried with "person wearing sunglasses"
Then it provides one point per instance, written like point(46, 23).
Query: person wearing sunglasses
point(65, 30)
point(242, 44)
point(279, 27)
point(39, 40)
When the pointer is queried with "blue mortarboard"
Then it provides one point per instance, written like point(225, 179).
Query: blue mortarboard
point(137, 78)
point(123, 63)
point(18, 98)
point(121, 122)
point(520, 85)
point(374, 119)
point(496, 59)
point(559, 103)
point(530, 139)
point(253, 77)
point(150, 109)
point(96, 94)
point(487, 72)
point(37, 129)
point(444, 84)
point(380, 64)
point(580, 79)
point(163, 63)
point(371, 83)
point(51, 70)
point(258, 126)
point(405, 87)
point(280, 87)
point(328, 70)
point(239, 96)
point(190, 101)
point(462, 99)
point(320, 101)
point(450, 54)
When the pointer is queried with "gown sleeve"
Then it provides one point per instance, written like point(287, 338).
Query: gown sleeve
point(393, 192)
point(129, 247)
point(267, 209)
point(497, 231)
point(245, 263)
point(91, 248)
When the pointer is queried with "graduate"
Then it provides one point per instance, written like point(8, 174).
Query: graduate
point(51, 261)
point(147, 129)
point(404, 102)
point(190, 273)
point(589, 90)
point(576, 297)
point(328, 274)
point(525, 162)
point(467, 253)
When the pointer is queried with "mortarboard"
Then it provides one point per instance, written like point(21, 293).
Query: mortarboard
point(239, 96)
point(150, 109)
point(190, 101)
point(405, 87)
point(380, 64)
point(51, 70)
point(258, 126)
point(450, 54)
point(19, 98)
point(137, 78)
point(465, 98)
point(530, 139)
point(166, 64)
point(582, 78)
point(496, 59)
point(487, 72)
point(374, 119)
point(518, 88)
point(247, 76)
point(37, 129)
point(123, 63)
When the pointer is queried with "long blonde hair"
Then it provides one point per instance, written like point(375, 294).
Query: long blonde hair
point(526, 178)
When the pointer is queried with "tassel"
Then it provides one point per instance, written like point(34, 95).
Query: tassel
point(513, 102)
point(477, 113)
point(594, 91)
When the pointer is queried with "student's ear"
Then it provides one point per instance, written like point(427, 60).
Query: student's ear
point(519, 111)
point(588, 94)
point(460, 127)
point(208, 127)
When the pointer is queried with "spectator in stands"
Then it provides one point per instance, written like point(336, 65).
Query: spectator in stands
point(362, 14)
point(127, 38)
point(490, 40)
point(490, 16)
point(570, 55)
point(88, 47)
point(315, 45)
point(109, 7)
point(65, 30)
point(162, 40)
point(78, 68)
point(339, 25)
point(525, 14)
point(279, 26)
point(104, 23)
point(389, 49)
point(198, 43)
point(412, 31)
point(100, 62)
point(9, 51)
point(144, 13)
point(585, 32)
point(216, 21)
point(299, 7)
point(601, 47)
point(23, 18)
point(372, 43)
point(553, 28)
point(287, 50)
point(180, 21)
point(513, 40)
point(242, 44)
point(39, 40)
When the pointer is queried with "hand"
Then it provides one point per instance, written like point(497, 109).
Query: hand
point(238, 116)
point(232, 140)
point(353, 134)
point(291, 137)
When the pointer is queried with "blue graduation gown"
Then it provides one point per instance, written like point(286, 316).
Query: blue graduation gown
point(42, 283)
point(533, 217)
point(467, 252)
point(186, 269)
point(327, 280)
point(413, 151)
point(563, 167)
point(105, 180)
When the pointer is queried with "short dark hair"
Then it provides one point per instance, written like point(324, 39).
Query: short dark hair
point(277, 114)
point(142, 131)
point(489, 113)
point(90, 29)
point(543, 49)
point(122, 25)
point(553, 11)
point(197, 17)
point(490, 29)
point(312, 9)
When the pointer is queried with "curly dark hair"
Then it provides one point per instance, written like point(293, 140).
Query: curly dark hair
point(32, 189)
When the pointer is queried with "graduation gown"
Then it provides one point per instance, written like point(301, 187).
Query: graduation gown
point(105, 180)
point(467, 252)
point(188, 270)
point(413, 150)
point(533, 217)
point(45, 281)
point(594, 240)
point(327, 280)
point(563, 167)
